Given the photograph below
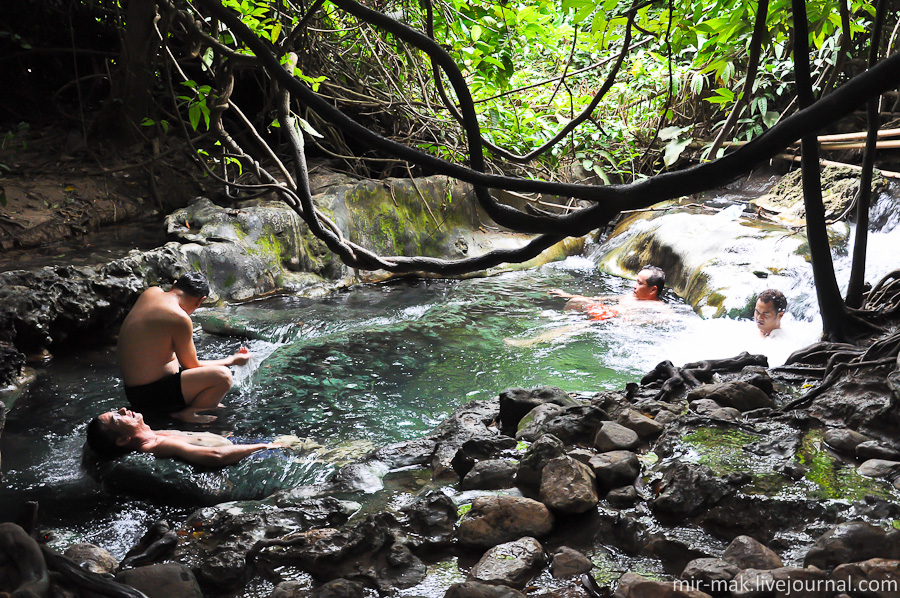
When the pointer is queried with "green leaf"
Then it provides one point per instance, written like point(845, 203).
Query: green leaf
point(770, 118)
point(194, 114)
point(476, 32)
point(673, 150)
point(304, 124)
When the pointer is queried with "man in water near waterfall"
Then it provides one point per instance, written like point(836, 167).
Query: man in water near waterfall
point(644, 305)
point(116, 433)
point(770, 307)
point(646, 297)
point(158, 360)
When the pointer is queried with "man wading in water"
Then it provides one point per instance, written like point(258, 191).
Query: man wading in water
point(158, 360)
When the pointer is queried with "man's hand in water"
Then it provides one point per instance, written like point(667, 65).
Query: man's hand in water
point(561, 293)
point(241, 357)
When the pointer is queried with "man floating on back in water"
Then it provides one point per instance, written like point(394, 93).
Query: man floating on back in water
point(116, 433)
point(158, 360)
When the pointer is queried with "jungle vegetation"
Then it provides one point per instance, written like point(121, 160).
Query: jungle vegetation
point(604, 106)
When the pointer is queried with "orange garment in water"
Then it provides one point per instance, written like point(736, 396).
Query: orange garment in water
point(601, 311)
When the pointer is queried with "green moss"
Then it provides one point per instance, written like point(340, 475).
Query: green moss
point(826, 477)
point(833, 479)
point(721, 449)
point(230, 281)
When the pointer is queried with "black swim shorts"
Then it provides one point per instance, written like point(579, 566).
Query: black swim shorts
point(158, 398)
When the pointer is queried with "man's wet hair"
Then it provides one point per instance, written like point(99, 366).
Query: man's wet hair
point(103, 441)
point(775, 297)
point(192, 283)
point(657, 278)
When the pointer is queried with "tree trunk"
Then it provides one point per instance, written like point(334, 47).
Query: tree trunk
point(135, 74)
point(831, 305)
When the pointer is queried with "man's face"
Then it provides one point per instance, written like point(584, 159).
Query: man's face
point(124, 423)
point(641, 290)
point(767, 319)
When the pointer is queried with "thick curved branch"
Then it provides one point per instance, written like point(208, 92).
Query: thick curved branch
point(759, 29)
point(614, 198)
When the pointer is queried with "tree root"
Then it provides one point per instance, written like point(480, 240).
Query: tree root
point(674, 379)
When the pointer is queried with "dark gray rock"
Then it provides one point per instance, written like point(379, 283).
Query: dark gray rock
point(531, 426)
point(475, 589)
point(879, 468)
point(515, 403)
point(872, 449)
point(844, 440)
point(708, 573)
point(568, 562)
point(429, 520)
point(688, 489)
point(747, 553)
point(645, 427)
point(494, 520)
point(613, 437)
point(166, 580)
point(472, 451)
point(93, 558)
point(852, 542)
point(339, 588)
point(743, 396)
point(622, 497)
point(576, 424)
point(568, 486)
point(11, 361)
point(511, 564)
point(368, 552)
point(532, 464)
point(492, 474)
point(756, 583)
point(759, 377)
point(704, 406)
point(874, 577)
point(632, 585)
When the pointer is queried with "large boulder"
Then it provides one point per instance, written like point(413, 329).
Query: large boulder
point(368, 552)
point(493, 520)
point(568, 486)
point(166, 580)
point(747, 553)
point(739, 395)
point(852, 542)
point(511, 564)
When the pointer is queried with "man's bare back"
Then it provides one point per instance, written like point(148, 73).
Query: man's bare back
point(158, 359)
point(146, 350)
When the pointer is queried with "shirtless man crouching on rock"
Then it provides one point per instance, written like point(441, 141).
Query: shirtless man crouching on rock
point(115, 433)
point(158, 360)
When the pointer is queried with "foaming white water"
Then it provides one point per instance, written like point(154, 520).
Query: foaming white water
point(259, 350)
point(723, 337)
point(574, 263)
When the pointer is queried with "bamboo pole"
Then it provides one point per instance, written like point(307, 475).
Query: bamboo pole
point(885, 173)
